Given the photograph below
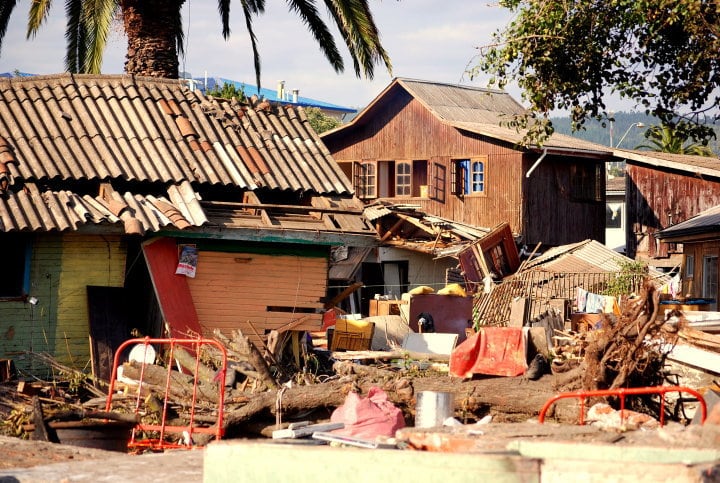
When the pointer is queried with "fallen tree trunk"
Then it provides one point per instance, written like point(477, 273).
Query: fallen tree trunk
point(511, 398)
point(180, 385)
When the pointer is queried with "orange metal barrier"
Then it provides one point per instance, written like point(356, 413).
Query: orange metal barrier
point(185, 432)
point(621, 393)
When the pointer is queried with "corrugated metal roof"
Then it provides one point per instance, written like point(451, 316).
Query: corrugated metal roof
point(588, 256)
point(705, 222)
point(691, 164)
point(140, 129)
point(477, 110)
point(67, 140)
point(33, 210)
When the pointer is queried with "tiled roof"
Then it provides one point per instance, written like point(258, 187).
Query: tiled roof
point(160, 145)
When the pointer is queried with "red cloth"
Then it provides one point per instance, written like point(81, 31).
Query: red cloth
point(329, 318)
point(368, 417)
point(496, 351)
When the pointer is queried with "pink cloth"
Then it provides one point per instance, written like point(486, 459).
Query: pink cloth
point(368, 417)
point(495, 351)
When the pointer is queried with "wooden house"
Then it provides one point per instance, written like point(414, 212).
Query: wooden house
point(700, 239)
point(450, 150)
point(662, 190)
point(106, 180)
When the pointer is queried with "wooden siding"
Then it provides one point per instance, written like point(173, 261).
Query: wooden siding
point(692, 286)
point(537, 208)
point(254, 292)
point(26, 327)
point(61, 268)
point(552, 217)
point(86, 260)
point(405, 130)
point(656, 199)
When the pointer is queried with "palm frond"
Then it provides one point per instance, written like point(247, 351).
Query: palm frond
point(39, 10)
point(6, 9)
point(357, 27)
point(75, 36)
point(250, 8)
point(309, 15)
point(97, 17)
point(224, 10)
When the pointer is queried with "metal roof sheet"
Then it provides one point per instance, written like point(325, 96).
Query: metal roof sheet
point(691, 164)
point(588, 256)
point(477, 110)
point(705, 222)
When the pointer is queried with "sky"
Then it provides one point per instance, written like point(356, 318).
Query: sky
point(434, 40)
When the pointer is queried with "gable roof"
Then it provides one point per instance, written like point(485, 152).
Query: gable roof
point(67, 140)
point(476, 110)
point(686, 163)
point(270, 94)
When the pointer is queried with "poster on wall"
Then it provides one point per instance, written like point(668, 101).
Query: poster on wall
point(187, 264)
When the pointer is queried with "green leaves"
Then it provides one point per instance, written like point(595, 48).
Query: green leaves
point(663, 54)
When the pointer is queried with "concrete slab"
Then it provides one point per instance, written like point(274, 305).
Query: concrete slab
point(309, 464)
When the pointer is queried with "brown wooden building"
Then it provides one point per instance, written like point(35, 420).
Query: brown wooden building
point(444, 148)
point(662, 190)
point(700, 238)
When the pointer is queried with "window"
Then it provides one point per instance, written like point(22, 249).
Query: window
point(613, 215)
point(585, 181)
point(689, 266)
point(477, 176)
point(15, 281)
point(388, 179)
point(366, 183)
point(403, 178)
point(468, 176)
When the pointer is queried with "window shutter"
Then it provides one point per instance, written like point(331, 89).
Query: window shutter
point(454, 175)
point(357, 179)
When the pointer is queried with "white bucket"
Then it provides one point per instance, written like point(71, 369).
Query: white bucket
point(433, 408)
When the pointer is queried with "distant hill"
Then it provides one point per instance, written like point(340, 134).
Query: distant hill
point(595, 132)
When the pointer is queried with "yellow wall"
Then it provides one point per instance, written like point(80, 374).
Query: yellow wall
point(86, 260)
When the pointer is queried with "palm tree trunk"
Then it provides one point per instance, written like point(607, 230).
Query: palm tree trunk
point(153, 29)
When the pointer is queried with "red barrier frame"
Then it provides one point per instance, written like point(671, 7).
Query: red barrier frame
point(621, 393)
point(163, 428)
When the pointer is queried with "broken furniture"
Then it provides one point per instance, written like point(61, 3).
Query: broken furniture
point(350, 334)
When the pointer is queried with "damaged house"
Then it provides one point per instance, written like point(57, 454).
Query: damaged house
point(662, 190)
point(448, 151)
point(106, 182)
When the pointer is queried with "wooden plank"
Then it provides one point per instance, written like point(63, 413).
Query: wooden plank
point(107, 310)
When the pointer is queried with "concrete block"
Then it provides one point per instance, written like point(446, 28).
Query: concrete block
point(231, 461)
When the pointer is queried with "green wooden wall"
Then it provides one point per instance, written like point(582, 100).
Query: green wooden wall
point(62, 266)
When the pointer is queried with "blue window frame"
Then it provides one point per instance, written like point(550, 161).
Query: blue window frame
point(468, 177)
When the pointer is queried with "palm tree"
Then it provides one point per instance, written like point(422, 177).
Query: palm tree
point(155, 35)
point(673, 139)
